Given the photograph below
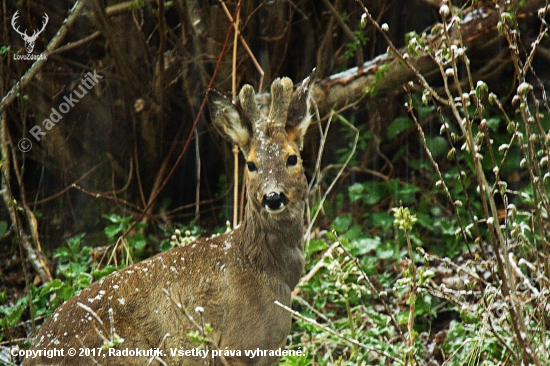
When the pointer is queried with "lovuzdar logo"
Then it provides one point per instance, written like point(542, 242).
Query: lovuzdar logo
point(29, 40)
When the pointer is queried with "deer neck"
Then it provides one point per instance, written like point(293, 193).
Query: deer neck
point(274, 247)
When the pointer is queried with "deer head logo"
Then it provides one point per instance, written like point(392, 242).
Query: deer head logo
point(29, 40)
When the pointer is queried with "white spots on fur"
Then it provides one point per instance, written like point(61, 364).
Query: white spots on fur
point(116, 287)
point(98, 296)
point(121, 301)
point(173, 269)
point(148, 263)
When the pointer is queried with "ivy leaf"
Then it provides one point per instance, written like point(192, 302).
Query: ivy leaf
point(398, 126)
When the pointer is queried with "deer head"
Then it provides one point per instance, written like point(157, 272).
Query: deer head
point(29, 40)
point(270, 143)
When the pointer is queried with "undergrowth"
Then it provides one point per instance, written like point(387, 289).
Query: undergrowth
point(459, 274)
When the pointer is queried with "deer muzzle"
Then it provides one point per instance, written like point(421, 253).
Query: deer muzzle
point(275, 202)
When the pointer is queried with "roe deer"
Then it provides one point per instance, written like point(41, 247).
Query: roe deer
point(233, 279)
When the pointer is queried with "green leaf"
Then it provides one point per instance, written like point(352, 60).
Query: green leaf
point(317, 245)
point(405, 193)
point(380, 72)
point(74, 242)
point(398, 126)
point(112, 230)
point(51, 286)
point(374, 192)
point(381, 219)
point(402, 317)
point(138, 241)
point(365, 245)
point(342, 223)
point(62, 252)
point(84, 280)
point(438, 146)
point(67, 292)
point(114, 218)
point(386, 253)
point(12, 314)
point(355, 191)
point(105, 271)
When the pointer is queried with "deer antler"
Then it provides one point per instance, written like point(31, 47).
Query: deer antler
point(16, 27)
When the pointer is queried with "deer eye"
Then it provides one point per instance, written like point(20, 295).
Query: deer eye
point(251, 166)
point(292, 160)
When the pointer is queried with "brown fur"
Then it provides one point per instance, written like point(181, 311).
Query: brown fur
point(235, 277)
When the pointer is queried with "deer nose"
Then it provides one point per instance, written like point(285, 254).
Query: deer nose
point(275, 201)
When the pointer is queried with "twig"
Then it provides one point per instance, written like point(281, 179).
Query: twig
point(322, 141)
point(371, 285)
point(76, 44)
point(245, 45)
point(314, 270)
point(34, 253)
point(66, 189)
point(435, 166)
point(109, 197)
point(329, 189)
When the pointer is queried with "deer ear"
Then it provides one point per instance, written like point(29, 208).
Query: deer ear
point(228, 120)
point(299, 117)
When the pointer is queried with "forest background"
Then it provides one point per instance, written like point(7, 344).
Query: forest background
point(427, 234)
